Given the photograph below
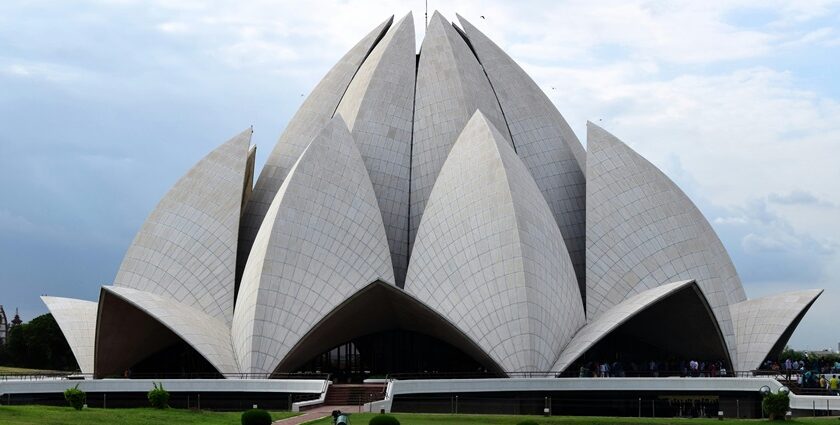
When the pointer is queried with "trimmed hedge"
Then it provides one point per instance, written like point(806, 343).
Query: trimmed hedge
point(775, 405)
point(158, 397)
point(256, 417)
point(75, 397)
point(383, 420)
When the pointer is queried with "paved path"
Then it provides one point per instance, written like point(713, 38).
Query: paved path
point(316, 413)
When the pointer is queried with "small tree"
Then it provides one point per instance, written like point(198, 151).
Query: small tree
point(75, 397)
point(159, 397)
point(775, 405)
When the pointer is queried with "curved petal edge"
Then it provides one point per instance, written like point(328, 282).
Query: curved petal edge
point(186, 248)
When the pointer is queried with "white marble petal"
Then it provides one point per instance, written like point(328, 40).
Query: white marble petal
point(490, 258)
point(186, 248)
point(77, 321)
point(323, 239)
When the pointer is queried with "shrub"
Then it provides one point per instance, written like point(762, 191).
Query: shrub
point(528, 422)
point(776, 405)
point(159, 397)
point(75, 397)
point(256, 417)
point(383, 420)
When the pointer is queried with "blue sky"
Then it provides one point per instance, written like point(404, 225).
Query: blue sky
point(104, 104)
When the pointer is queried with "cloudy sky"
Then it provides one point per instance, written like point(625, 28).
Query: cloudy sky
point(104, 104)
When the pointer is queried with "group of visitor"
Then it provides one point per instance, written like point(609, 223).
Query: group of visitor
point(652, 368)
point(816, 374)
point(817, 365)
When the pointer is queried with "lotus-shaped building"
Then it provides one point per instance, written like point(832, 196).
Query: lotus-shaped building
point(424, 212)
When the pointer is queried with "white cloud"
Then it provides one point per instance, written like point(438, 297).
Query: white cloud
point(174, 27)
point(798, 197)
point(730, 220)
point(50, 72)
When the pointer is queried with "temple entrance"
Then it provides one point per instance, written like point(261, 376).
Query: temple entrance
point(394, 351)
point(382, 330)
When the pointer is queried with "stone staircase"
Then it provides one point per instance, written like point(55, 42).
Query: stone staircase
point(353, 394)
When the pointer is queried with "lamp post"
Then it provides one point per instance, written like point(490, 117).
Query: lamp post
point(764, 391)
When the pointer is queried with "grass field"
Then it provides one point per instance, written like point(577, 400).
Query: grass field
point(429, 419)
point(48, 415)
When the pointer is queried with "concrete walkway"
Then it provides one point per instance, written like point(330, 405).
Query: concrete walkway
point(316, 413)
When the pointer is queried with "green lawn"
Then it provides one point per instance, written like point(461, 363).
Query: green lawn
point(430, 419)
point(47, 415)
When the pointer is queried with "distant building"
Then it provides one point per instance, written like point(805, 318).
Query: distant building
point(5, 325)
point(15, 320)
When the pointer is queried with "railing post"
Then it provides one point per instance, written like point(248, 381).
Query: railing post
point(640, 407)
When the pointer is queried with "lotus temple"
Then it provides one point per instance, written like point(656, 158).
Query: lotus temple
point(424, 213)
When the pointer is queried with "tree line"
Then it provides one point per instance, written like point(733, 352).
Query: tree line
point(37, 344)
